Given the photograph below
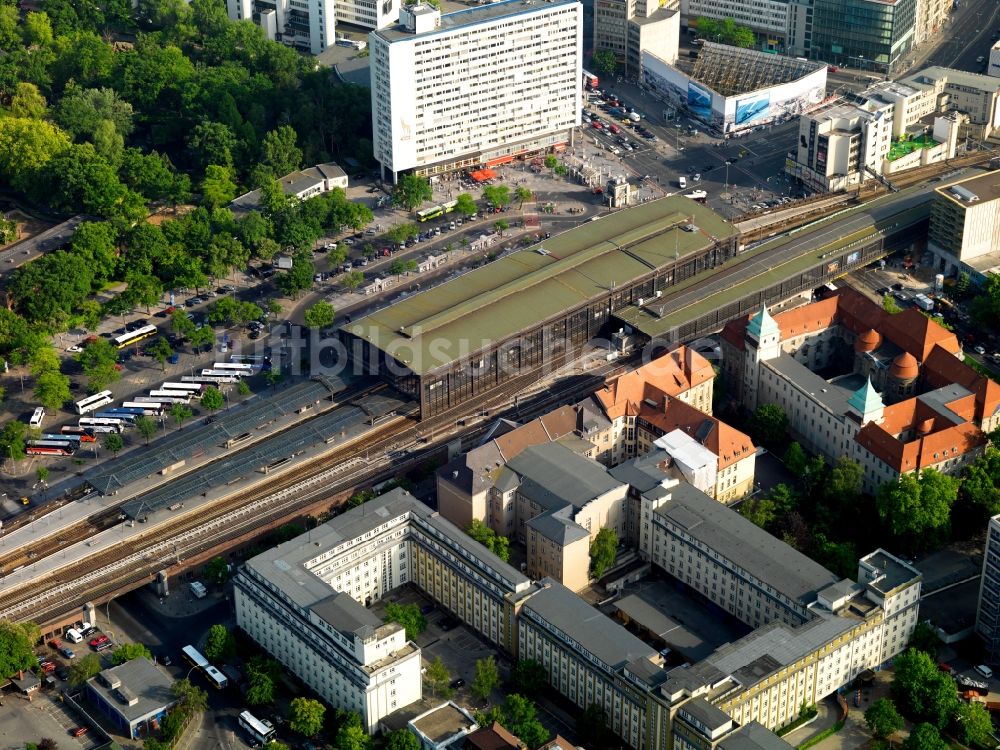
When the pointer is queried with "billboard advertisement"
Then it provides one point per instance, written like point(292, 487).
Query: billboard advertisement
point(753, 107)
point(699, 101)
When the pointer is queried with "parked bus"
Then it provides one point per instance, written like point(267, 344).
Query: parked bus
point(50, 450)
point(249, 359)
point(86, 435)
point(218, 680)
point(173, 397)
point(259, 730)
point(135, 411)
point(73, 439)
point(590, 81)
point(59, 442)
point(127, 339)
point(210, 373)
point(91, 403)
point(189, 387)
point(211, 379)
point(194, 658)
point(154, 409)
point(126, 419)
point(234, 367)
point(102, 424)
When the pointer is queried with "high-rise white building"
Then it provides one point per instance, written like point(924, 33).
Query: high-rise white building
point(477, 87)
point(307, 25)
point(988, 611)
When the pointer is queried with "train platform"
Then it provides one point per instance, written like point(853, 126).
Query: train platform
point(162, 507)
point(139, 471)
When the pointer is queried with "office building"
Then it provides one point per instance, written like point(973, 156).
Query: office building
point(768, 19)
point(894, 396)
point(971, 94)
point(305, 601)
point(629, 27)
point(874, 35)
point(965, 226)
point(888, 128)
point(477, 87)
point(988, 610)
point(307, 25)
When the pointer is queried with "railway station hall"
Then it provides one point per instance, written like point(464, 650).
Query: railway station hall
point(530, 309)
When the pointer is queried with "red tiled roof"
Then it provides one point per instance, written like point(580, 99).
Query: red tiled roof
point(942, 368)
point(670, 375)
point(727, 443)
point(546, 428)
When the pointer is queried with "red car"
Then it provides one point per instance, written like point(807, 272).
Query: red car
point(55, 643)
point(48, 667)
point(596, 125)
point(95, 642)
point(79, 731)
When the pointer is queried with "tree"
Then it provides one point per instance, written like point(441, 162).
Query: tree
point(522, 194)
point(925, 737)
point(437, 677)
point(190, 697)
point(402, 739)
point(890, 305)
point(305, 716)
point(217, 570)
point(37, 30)
point(769, 425)
point(844, 483)
point(498, 545)
point(605, 62)
point(593, 724)
point(218, 188)
point(180, 413)
point(160, 350)
point(497, 196)
point(465, 204)
point(279, 152)
point(407, 615)
point(923, 638)
point(921, 690)
point(146, 428)
point(42, 472)
point(487, 678)
point(98, 360)
point(243, 388)
point(521, 719)
point(260, 688)
point(320, 315)
point(501, 226)
point(113, 442)
point(52, 389)
point(82, 111)
point(917, 509)
point(212, 399)
point(352, 280)
point(603, 551)
point(200, 338)
point(411, 191)
point(129, 651)
point(212, 143)
point(796, 459)
point(972, 724)
point(352, 736)
point(17, 640)
point(12, 443)
point(298, 278)
point(551, 162)
point(26, 147)
point(528, 677)
point(220, 643)
point(883, 719)
point(81, 670)
point(28, 101)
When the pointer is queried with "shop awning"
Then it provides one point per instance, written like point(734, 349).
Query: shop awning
point(482, 175)
point(499, 160)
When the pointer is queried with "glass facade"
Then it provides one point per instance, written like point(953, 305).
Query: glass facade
point(864, 34)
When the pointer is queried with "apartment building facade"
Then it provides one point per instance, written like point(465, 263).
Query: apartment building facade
point(628, 27)
point(965, 226)
point(307, 25)
point(477, 87)
point(988, 608)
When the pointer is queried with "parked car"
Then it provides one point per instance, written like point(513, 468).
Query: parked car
point(95, 642)
point(67, 652)
point(79, 731)
point(55, 643)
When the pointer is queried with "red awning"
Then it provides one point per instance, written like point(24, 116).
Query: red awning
point(559, 147)
point(499, 160)
point(482, 175)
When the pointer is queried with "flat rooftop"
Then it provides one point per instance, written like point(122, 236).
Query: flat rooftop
point(479, 14)
point(497, 301)
point(140, 679)
point(443, 722)
point(986, 187)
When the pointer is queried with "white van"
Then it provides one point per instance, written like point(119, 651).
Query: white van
point(682, 182)
point(73, 635)
point(985, 671)
point(37, 417)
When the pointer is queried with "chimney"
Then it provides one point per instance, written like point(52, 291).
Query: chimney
point(666, 403)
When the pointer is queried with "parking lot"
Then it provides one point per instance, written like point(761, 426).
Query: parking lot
point(44, 716)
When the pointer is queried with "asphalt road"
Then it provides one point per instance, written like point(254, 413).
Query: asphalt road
point(971, 32)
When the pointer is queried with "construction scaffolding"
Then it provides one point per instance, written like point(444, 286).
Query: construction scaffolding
point(731, 71)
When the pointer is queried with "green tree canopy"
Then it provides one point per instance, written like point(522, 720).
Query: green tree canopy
point(925, 737)
point(497, 196)
point(305, 716)
point(411, 191)
point(17, 640)
point(220, 643)
point(13, 439)
point(487, 678)
point(437, 678)
point(129, 651)
point(972, 724)
point(603, 551)
point(407, 615)
point(212, 399)
point(917, 509)
point(498, 545)
point(769, 426)
point(113, 442)
point(402, 739)
point(83, 669)
point(465, 204)
point(528, 677)
point(521, 719)
point(605, 63)
point(319, 315)
point(921, 690)
point(883, 719)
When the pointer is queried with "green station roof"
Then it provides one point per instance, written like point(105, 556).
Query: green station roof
point(500, 299)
